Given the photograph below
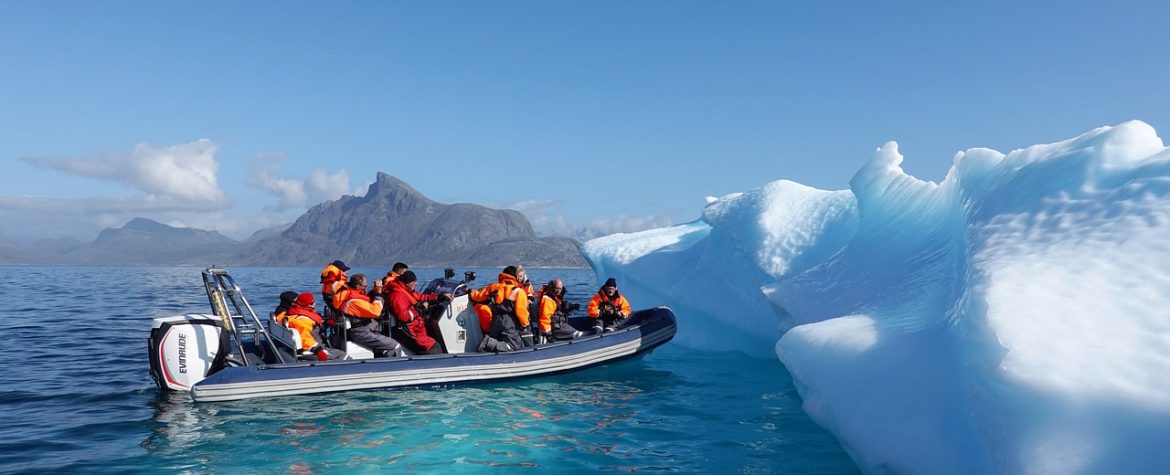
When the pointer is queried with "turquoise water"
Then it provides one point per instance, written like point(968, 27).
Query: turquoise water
point(80, 399)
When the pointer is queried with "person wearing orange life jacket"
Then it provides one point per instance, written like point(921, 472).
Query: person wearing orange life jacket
point(480, 298)
point(508, 309)
point(286, 301)
point(553, 311)
point(363, 313)
point(305, 321)
point(607, 307)
point(333, 277)
point(411, 328)
point(395, 271)
point(533, 301)
point(522, 279)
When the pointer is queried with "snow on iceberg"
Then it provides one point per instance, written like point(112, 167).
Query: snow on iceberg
point(1013, 318)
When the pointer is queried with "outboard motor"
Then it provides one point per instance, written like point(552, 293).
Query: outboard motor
point(185, 349)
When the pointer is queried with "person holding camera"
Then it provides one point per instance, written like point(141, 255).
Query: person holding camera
point(411, 323)
point(363, 312)
point(553, 314)
point(608, 308)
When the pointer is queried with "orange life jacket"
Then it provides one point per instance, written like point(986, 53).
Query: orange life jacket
point(618, 302)
point(304, 321)
point(355, 303)
point(332, 277)
point(496, 294)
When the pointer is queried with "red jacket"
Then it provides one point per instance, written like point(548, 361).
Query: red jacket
point(402, 301)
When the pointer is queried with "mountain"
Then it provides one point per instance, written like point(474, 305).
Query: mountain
point(394, 222)
point(60, 245)
point(266, 233)
point(13, 253)
point(145, 242)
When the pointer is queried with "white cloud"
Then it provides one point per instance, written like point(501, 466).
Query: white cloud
point(547, 220)
point(175, 184)
point(606, 225)
point(181, 175)
point(295, 193)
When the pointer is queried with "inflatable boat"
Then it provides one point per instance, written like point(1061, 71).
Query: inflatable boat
point(234, 354)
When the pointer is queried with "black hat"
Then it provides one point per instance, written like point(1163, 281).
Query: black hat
point(510, 270)
point(399, 265)
point(611, 282)
point(287, 297)
point(340, 265)
point(407, 277)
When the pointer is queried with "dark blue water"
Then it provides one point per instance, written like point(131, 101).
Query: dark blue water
point(77, 397)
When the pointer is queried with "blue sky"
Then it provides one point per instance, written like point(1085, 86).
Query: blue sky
point(604, 116)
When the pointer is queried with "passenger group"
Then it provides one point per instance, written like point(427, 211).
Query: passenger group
point(504, 309)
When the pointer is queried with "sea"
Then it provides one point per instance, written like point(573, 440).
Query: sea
point(76, 397)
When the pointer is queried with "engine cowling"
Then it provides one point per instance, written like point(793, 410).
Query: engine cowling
point(184, 350)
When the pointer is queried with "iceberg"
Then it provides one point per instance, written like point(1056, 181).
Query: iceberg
point(1012, 318)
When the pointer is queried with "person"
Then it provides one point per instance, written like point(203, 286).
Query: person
point(363, 313)
point(522, 279)
point(553, 313)
point(395, 271)
point(608, 307)
point(303, 319)
point(333, 277)
point(411, 327)
point(533, 301)
point(286, 301)
point(506, 306)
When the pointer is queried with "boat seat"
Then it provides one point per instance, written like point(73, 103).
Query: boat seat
point(354, 351)
point(285, 335)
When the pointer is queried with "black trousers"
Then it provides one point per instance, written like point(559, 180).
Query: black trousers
point(505, 328)
point(605, 321)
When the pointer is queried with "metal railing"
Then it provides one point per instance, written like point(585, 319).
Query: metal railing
point(229, 304)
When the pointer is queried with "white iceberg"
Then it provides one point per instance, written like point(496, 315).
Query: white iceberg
point(1013, 318)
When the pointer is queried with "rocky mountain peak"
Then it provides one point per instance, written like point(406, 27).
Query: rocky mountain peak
point(390, 187)
point(147, 226)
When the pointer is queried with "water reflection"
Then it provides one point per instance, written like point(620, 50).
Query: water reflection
point(533, 424)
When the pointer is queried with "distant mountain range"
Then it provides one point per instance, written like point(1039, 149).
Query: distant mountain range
point(392, 222)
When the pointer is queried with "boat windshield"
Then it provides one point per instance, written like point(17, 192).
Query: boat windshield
point(452, 287)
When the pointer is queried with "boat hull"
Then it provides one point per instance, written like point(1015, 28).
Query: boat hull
point(646, 330)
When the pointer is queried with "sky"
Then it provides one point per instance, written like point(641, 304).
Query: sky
point(590, 117)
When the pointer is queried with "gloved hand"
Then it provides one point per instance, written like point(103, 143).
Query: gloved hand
point(546, 337)
point(444, 297)
point(320, 352)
